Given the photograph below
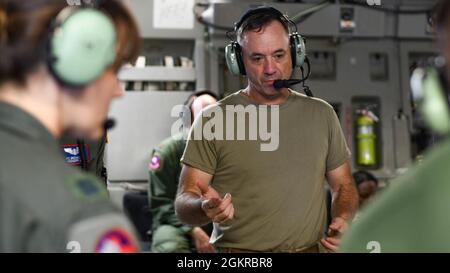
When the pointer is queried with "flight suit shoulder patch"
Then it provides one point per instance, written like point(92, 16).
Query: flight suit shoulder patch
point(104, 233)
point(161, 154)
point(72, 154)
point(155, 163)
point(116, 240)
point(86, 188)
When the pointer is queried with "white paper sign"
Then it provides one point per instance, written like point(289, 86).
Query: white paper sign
point(175, 14)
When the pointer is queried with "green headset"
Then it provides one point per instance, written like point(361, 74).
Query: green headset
point(430, 89)
point(233, 51)
point(81, 45)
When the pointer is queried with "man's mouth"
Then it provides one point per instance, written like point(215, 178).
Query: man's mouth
point(268, 82)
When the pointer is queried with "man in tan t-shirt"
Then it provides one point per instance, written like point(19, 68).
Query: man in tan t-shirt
point(256, 162)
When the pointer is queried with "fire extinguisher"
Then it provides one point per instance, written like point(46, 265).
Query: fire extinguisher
point(366, 138)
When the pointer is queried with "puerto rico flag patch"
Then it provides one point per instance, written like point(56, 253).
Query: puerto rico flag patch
point(155, 162)
point(72, 154)
point(115, 240)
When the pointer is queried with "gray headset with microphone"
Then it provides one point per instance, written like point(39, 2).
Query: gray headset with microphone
point(233, 51)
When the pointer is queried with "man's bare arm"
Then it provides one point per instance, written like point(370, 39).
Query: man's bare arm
point(197, 203)
point(344, 204)
point(345, 196)
point(188, 203)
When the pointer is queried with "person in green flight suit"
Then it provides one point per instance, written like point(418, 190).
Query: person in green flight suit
point(411, 214)
point(58, 60)
point(168, 233)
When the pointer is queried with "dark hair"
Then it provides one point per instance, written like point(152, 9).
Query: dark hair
point(361, 176)
point(440, 13)
point(258, 20)
point(25, 28)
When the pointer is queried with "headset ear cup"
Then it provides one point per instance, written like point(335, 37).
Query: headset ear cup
point(82, 46)
point(234, 59)
point(434, 107)
point(240, 62)
point(298, 49)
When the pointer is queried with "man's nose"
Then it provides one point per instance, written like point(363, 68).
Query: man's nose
point(269, 66)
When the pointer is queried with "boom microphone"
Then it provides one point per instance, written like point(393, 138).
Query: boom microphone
point(278, 84)
point(109, 123)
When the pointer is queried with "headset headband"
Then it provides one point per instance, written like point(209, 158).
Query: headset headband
point(262, 10)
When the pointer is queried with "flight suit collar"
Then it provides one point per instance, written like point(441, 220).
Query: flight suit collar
point(21, 123)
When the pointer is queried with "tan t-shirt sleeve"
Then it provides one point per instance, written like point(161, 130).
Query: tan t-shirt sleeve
point(338, 151)
point(200, 153)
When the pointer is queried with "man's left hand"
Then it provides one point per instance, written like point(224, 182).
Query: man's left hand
point(335, 230)
point(201, 241)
